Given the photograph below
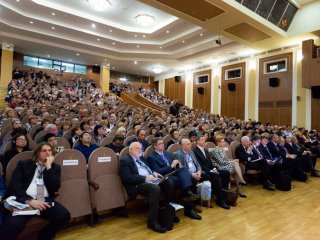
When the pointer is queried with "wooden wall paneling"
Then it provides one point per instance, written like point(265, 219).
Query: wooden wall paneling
point(175, 90)
point(276, 101)
point(202, 101)
point(233, 102)
point(315, 113)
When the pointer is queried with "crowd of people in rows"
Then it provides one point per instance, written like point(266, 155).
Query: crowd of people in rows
point(80, 112)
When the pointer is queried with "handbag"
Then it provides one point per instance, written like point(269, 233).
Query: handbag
point(230, 197)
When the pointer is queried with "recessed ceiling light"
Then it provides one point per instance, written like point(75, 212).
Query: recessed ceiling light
point(18, 0)
point(138, 46)
point(96, 64)
point(201, 34)
point(31, 22)
point(110, 30)
point(93, 25)
point(167, 31)
point(105, 59)
point(135, 35)
point(53, 14)
point(70, 59)
point(160, 47)
point(183, 41)
point(157, 69)
point(99, 5)
point(135, 62)
point(53, 28)
point(48, 55)
point(113, 43)
point(98, 39)
point(143, 36)
point(145, 20)
point(78, 54)
point(113, 67)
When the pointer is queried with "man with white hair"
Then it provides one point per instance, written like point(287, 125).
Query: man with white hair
point(138, 178)
point(245, 153)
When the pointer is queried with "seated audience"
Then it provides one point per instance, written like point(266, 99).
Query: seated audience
point(163, 162)
point(98, 134)
point(20, 143)
point(75, 135)
point(175, 135)
point(245, 153)
point(137, 179)
point(85, 146)
point(140, 138)
point(34, 182)
point(117, 144)
point(220, 160)
point(188, 160)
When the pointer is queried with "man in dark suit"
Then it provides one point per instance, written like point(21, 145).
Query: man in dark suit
point(140, 138)
point(203, 157)
point(162, 162)
point(188, 159)
point(34, 182)
point(138, 178)
point(175, 135)
point(117, 144)
point(244, 152)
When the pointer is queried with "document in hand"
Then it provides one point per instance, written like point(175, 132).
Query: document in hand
point(18, 208)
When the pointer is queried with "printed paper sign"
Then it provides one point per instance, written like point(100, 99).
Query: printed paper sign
point(70, 162)
point(104, 159)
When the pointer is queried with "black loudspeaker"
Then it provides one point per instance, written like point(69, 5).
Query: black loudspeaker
point(274, 82)
point(200, 90)
point(177, 78)
point(95, 69)
point(315, 91)
point(231, 87)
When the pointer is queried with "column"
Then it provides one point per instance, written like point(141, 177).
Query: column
point(105, 78)
point(252, 86)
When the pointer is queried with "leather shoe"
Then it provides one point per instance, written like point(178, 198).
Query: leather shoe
point(197, 208)
point(176, 219)
point(269, 187)
point(241, 194)
point(190, 196)
point(315, 174)
point(156, 227)
point(243, 184)
point(270, 183)
point(223, 204)
point(192, 214)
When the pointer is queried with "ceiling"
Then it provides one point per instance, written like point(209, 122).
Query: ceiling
point(181, 35)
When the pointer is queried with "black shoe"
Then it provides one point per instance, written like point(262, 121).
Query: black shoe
point(223, 204)
point(156, 227)
point(190, 196)
point(315, 174)
point(269, 187)
point(192, 214)
point(243, 184)
point(270, 183)
point(176, 219)
point(242, 195)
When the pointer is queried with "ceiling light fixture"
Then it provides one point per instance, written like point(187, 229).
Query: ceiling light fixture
point(99, 5)
point(157, 69)
point(98, 39)
point(78, 54)
point(123, 79)
point(145, 20)
point(53, 28)
point(93, 25)
point(135, 62)
point(31, 22)
point(53, 14)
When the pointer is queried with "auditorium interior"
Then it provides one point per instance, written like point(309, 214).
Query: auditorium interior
point(244, 62)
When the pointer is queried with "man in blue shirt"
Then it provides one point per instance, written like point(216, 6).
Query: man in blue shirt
point(85, 146)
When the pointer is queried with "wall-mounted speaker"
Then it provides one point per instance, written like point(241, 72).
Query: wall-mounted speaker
point(95, 69)
point(200, 90)
point(274, 82)
point(177, 78)
point(315, 91)
point(231, 87)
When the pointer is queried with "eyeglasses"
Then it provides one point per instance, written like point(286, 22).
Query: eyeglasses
point(21, 139)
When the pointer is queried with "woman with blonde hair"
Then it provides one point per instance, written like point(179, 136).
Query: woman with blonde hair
point(219, 159)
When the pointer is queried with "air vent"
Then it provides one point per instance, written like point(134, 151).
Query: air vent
point(233, 60)
point(274, 50)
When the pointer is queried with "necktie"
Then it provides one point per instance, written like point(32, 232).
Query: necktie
point(269, 153)
point(165, 159)
point(144, 166)
point(40, 185)
point(259, 154)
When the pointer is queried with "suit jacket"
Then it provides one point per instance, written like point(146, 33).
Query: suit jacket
point(157, 164)
point(129, 174)
point(242, 154)
point(276, 152)
point(291, 148)
point(204, 160)
point(264, 152)
point(180, 155)
point(23, 175)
